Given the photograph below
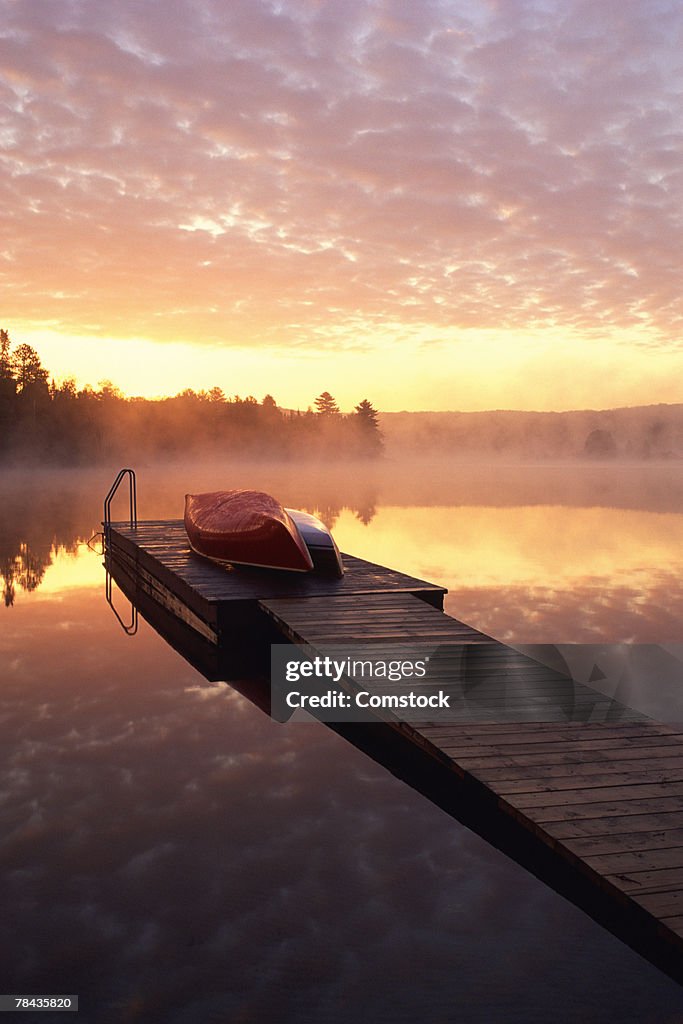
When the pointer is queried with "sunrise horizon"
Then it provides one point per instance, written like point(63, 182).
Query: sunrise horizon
point(154, 370)
point(459, 208)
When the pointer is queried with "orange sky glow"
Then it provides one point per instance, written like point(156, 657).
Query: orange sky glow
point(438, 205)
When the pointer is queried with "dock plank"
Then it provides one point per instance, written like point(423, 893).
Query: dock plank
point(631, 840)
point(595, 831)
point(642, 865)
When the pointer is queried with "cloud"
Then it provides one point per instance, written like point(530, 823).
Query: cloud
point(247, 172)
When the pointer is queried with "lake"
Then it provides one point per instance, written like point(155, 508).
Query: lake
point(171, 854)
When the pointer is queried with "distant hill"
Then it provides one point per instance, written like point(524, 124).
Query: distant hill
point(640, 432)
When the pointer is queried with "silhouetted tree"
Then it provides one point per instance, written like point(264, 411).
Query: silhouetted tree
point(5, 356)
point(272, 418)
point(109, 392)
point(27, 368)
point(66, 390)
point(367, 414)
point(326, 405)
point(366, 423)
point(8, 393)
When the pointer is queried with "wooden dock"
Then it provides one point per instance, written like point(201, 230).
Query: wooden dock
point(218, 602)
point(585, 793)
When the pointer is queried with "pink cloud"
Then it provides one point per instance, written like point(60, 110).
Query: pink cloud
point(535, 149)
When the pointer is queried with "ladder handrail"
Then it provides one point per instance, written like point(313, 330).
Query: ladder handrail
point(132, 499)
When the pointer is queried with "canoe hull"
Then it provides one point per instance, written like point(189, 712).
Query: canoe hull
point(245, 528)
point(327, 560)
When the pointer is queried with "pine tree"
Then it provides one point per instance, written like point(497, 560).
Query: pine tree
point(366, 421)
point(5, 357)
point(28, 370)
point(326, 405)
point(367, 414)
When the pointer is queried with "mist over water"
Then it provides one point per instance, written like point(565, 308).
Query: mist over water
point(171, 854)
point(566, 553)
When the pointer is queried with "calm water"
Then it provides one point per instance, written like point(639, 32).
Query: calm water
point(170, 854)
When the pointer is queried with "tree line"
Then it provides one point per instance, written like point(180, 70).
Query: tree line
point(48, 421)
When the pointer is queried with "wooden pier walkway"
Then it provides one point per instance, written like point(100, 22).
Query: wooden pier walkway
point(484, 679)
point(585, 793)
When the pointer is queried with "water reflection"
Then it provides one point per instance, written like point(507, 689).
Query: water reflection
point(172, 855)
point(539, 574)
point(35, 528)
point(24, 568)
point(45, 520)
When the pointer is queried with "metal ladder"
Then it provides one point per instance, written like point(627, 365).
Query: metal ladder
point(132, 501)
point(128, 627)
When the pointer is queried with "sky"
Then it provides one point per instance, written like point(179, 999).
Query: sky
point(435, 205)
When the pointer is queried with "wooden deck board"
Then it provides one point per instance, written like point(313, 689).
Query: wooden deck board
point(605, 835)
point(579, 765)
point(638, 863)
point(628, 746)
point(610, 793)
point(631, 840)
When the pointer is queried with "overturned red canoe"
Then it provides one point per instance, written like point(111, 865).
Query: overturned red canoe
point(247, 528)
